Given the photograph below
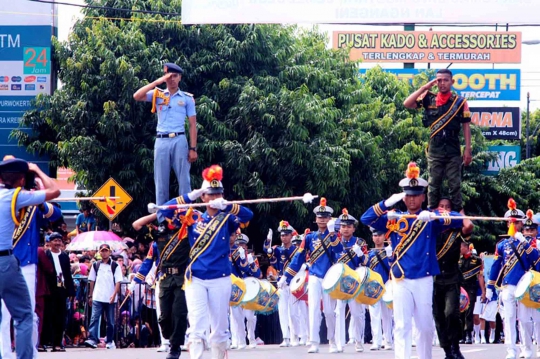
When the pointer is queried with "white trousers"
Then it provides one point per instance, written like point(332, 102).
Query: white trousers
point(208, 300)
point(516, 310)
point(316, 293)
point(413, 299)
point(380, 313)
point(238, 326)
point(301, 316)
point(29, 274)
point(288, 312)
point(358, 312)
point(158, 313)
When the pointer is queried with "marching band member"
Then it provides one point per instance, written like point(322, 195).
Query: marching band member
point(530, 231)
point(379, 312)
point(243, 265)
point(472, 270)
point(353, 256)
point(513, 257)
point(321, 247)
point(300, 307)
point(280, 258)
point(446, 290)
point(208, 282)
point(413, 260)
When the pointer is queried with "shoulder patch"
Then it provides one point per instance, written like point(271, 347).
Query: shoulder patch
point(187, 93)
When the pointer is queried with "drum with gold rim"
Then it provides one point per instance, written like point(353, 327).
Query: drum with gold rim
point(388, 296)
point(372, 286)
point(272, 304)
point(341, 282)
point(464, 300)
point(238, 291)
point(528, 289)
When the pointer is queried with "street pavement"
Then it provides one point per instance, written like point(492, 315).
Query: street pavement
point(485, 351)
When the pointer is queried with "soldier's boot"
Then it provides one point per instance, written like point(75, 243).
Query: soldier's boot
point(448, 352)
point(468, 339)
point(174, 352)
point(196, 348)
point(219, 350)
point(456, 352)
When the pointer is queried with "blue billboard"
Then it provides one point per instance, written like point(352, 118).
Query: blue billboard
point(477, 84)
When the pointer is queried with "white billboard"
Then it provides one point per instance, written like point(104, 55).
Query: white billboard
point(360, 11)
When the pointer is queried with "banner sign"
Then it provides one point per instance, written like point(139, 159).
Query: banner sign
point(430, 46)
point(503, 123)
point(507, 157)
point(477, 84)
point(360, 11)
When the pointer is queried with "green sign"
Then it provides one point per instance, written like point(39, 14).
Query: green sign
point(37, 60)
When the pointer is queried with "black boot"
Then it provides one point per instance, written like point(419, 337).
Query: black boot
point(174, 352)
point(468, 339)
point(456, 352)
point(449, 353)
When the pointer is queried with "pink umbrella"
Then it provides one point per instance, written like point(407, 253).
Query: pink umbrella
point(92, 240)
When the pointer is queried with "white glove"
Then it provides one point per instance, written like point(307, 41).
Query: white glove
point(196, 193)
point(303, 268)
point(395, 198)
point(270, 234)
point(242, 253)
point(152, 208)
point(388, 251)
point(131, 286)
point(393, 215)
point(425, 216)
point(282, 282)
point(489, 293)
point(519, 236)
point(269, 251)
point(218, 203)
point(331, 224)
point(251, 260)
point(358, 250)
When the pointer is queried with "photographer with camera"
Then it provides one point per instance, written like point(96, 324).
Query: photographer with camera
point(17, 208)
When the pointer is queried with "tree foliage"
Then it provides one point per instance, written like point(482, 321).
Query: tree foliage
point(279, 111)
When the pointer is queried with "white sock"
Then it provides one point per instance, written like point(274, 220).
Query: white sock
point(492, 335)
point(482, 334)
point(476, 329)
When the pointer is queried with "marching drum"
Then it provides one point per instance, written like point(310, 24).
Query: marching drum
point(528, 289)
point(273, 300)
point(299, 286)
point(388, 296)
point(341, 282)
point(463, 300)
point(372, 287)
point(238, 291)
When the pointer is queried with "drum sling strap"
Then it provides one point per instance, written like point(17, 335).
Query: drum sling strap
point(325, 248)
point(513, 246)
point(385, 267)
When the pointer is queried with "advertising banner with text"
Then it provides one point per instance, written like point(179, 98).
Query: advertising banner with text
point(499, 123)
point(507, 157)
point(431, 46)
point(476, 84)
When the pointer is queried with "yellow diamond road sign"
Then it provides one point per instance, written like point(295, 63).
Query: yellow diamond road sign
point(108, 206)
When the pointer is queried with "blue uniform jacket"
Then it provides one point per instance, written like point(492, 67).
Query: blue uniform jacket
point(26, 248)
point(347, 253)
point(213, 261)
point(381, 267)
point(320, 266)
point(146, 266)
point(503, 254)
point(279, 256)
point(421, 258)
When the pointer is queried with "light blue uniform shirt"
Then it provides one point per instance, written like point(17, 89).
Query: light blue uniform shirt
point(7, 226)
point(172, 117)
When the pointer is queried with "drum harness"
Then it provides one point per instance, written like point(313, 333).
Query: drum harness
point(513, 246)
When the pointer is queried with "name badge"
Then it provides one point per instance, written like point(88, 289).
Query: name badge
point(181, 103)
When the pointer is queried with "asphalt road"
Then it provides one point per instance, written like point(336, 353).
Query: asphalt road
point(485, 351)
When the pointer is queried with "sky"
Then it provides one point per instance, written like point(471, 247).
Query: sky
point(530, 71)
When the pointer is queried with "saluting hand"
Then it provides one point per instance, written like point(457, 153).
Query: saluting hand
point(429, 85)
point(163, 78)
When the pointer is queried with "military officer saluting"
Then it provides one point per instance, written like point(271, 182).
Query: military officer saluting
point(352, 255)
point(413, 261)
point(171, 146)
point(243, 265)
point(322, 247)
point(513, 257)
point(280, 258)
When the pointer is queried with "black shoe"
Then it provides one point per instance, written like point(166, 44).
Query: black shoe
point(468, 339)
point(456, 352)
point(174, 353)
point(462, 341)
point(449, 354)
